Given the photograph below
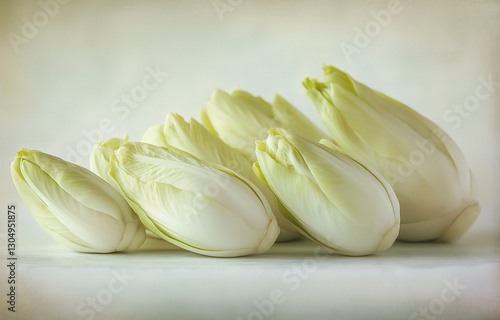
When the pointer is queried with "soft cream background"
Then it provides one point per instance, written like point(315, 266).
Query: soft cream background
point(64, 80)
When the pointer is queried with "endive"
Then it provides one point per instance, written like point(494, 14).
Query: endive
point(74, 205)
point(332, 198)
point(197, 205)
point(194, 138)
point(240, 119)
point(425, 167)
point(100, 158)
point(100, 163)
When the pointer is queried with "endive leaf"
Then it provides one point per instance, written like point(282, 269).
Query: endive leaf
point(195, 139)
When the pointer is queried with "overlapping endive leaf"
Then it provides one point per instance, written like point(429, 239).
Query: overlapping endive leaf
point(424, 166)
point(332, 198)
point(75, 206)
point(100, 157)
point(194, 138)
point(199, 206)
point(240, 119)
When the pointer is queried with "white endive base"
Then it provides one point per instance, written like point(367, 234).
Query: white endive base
point(445, 229)
point(162, 282)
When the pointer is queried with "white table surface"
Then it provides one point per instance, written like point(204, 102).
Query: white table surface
point(163, 282)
